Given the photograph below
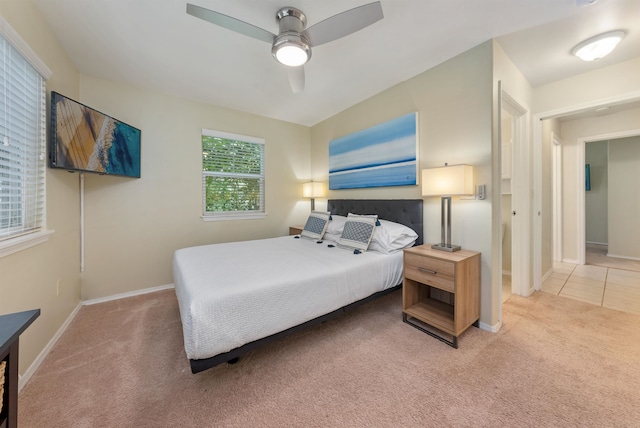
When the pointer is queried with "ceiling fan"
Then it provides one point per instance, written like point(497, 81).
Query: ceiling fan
point(292, 45)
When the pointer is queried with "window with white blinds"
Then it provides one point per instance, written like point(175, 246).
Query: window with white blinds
point(22, 144)
point(232, 176)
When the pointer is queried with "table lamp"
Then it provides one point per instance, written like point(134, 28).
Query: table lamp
point(447, 181)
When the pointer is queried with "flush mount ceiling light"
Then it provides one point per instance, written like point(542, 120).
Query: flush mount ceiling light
point(599, 46)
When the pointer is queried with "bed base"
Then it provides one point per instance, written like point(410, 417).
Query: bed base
point(234, 355)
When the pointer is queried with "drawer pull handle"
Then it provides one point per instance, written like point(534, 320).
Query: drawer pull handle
point(432, 272)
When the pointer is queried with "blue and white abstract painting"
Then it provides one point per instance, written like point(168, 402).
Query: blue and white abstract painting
point(383, 155)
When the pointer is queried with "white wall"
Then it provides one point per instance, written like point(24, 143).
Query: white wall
point(624, 197)
point(133, 226)
point(596, 199)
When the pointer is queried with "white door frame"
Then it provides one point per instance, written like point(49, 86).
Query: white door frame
point(520, 191)
point(556, 203)
point(580, 186)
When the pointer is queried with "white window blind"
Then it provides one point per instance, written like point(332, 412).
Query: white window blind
point(232, 175)
point(22, 144)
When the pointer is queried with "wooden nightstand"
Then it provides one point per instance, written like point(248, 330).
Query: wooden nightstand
point(295, 230)
point(442, 290)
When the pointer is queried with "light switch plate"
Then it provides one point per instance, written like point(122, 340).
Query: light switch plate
point(482, 188)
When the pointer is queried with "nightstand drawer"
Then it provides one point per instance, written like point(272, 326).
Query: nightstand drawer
point(434, 272)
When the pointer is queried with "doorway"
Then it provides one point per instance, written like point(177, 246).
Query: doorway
point(602, 115)
point(515, 215)
point(597, 202)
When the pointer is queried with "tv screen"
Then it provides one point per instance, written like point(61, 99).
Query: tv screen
point(83, 139)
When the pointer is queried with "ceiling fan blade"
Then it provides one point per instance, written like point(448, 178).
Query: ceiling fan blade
point(344, 23)
point(230, 23)
point(296, 78)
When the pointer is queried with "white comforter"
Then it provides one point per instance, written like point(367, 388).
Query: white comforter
point(232, 294)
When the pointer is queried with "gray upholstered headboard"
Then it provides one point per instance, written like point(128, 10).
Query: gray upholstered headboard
point(403, 211)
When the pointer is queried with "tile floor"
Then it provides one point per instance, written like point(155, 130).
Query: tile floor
point(603, 286)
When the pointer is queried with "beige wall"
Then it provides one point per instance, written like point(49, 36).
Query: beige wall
point(572, 133)
point(549, 128)
point(133, 226)
point(453, 101)
point(618, 80)
point(596, 199)
point(506, 233)
point(624, 197)
point(28, 278)
point(506, 171)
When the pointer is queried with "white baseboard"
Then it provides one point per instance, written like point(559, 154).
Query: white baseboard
point(622, 257)
point(128, 294)
point(22, 381)
point(575, 262)
point(506, 272)
point(546, 275)
point(491, 328)
point(34, 366)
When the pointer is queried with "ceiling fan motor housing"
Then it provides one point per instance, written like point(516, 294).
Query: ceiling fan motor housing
point(291, 19)
point(292, 23)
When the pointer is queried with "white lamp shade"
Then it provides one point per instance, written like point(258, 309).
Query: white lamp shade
point(313, 189)
point(454, 180)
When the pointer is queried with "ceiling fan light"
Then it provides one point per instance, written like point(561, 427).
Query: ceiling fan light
point(291, 50)
point(599, 46)
point(291, 55)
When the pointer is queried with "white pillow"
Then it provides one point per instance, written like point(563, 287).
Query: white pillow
point(335, 237)
point(316, 225)
point(336, 224)
point(391, 237)
point(358, 231)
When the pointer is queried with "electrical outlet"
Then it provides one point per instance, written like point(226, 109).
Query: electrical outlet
point(58, 287)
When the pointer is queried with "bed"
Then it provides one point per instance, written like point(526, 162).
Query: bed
point(237, 296)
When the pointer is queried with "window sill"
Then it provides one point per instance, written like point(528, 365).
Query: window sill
point(233, 217)
point(13, 245)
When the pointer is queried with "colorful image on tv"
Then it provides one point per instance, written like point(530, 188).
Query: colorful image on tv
point(83, 139)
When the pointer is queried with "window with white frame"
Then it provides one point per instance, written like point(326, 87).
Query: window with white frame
point(22, 141)
point(232, 176)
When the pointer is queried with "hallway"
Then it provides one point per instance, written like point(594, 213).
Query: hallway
point(604, 281)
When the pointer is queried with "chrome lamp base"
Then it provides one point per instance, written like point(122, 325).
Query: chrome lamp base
point(445, 216)
point(445, 247)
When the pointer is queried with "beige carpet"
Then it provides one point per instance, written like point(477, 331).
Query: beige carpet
point(556, 362)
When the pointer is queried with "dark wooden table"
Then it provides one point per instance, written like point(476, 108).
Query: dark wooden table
point(11, 327)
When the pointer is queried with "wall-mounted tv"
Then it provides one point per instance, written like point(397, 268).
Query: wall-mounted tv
point(83, 139)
